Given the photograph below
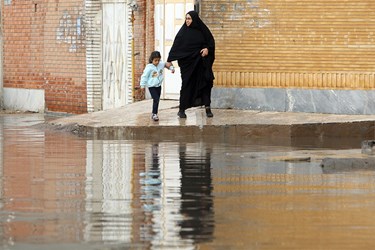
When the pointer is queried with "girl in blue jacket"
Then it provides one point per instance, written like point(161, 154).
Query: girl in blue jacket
point(153, 77)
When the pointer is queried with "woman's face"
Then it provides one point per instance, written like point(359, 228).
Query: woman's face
point(188, 20)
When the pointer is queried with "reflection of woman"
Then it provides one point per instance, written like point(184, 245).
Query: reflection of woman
point(197, 205)
point(194, 49)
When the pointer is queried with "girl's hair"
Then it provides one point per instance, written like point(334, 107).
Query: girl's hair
point(154, 54)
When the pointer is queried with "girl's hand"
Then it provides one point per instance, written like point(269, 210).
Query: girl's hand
point(204, 52)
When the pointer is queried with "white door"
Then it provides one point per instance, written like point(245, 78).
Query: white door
point(116, 45)
point(169, 17)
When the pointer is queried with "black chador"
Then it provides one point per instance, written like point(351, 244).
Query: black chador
point(196, 71)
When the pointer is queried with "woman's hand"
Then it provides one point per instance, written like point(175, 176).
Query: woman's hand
point(204, 52)
point(170, 66)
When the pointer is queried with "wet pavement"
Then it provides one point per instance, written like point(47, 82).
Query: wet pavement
point(63, 191)
point(228, 125)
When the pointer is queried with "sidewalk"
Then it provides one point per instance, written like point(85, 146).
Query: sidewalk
point(133, 121)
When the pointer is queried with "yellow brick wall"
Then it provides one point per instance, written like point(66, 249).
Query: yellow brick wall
point(321, 44)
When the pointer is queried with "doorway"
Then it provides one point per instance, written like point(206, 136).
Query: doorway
point(116, 44)
point(169, 17)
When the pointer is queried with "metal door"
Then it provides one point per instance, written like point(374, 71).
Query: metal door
point(169, 17)
point(115, 47)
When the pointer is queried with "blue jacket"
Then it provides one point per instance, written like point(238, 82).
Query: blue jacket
point(152, 75)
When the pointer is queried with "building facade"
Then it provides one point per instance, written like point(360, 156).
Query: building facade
point(85, 56)
point(44, 56)
point(73, 56)
point(309, 56)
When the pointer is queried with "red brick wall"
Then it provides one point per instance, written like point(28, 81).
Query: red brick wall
point(23, 45)
point(144, 40)
point(43, 50)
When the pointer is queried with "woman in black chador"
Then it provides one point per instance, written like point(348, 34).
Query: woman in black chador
point(194, 49)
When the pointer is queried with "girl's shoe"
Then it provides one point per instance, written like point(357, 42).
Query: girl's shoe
point(155, 117)
point(208, 112)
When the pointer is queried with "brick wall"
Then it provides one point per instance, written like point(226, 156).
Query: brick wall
point(44, 49)
point(144, 40)
point(293, 44)
point(23, 44)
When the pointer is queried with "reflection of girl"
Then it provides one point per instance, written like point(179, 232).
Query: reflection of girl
point(194, 48)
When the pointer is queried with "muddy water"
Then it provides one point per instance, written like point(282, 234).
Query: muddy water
point(58, 191)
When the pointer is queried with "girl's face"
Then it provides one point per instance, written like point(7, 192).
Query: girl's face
point(188, 20)
point(156, 61)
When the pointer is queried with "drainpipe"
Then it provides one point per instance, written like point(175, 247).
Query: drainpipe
point(133, 6)
point(133, 59)
point(2, 58)
point(197, 6)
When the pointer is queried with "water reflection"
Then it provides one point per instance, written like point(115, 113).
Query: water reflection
point(176, 196)
point(197, 205)
point(151, 197)
point(43, 183)
point(59, 191)
point(108, 192)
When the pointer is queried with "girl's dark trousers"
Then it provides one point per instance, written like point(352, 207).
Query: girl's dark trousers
point(155, 94)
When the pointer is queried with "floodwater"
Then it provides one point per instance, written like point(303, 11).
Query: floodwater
point(59, 191)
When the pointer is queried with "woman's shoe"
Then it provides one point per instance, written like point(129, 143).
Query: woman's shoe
point(208, 112)
point(181, 114)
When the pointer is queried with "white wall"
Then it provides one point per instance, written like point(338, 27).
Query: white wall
point(24, 99)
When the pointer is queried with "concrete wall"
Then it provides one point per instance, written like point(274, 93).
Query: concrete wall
point(355, 102)
point(24, 99)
